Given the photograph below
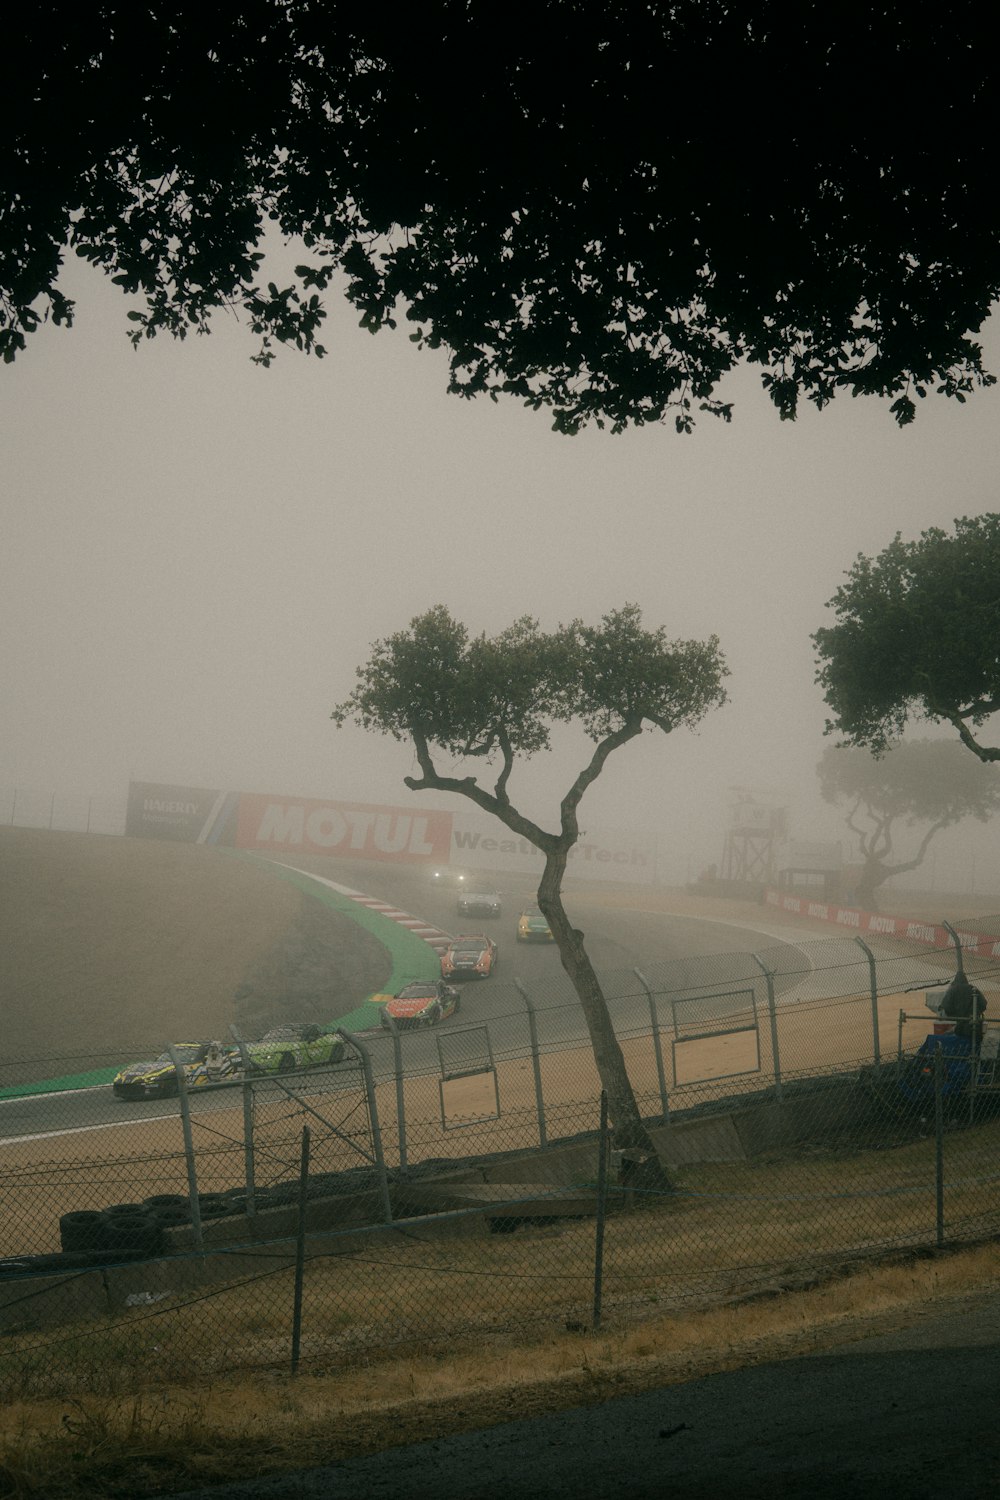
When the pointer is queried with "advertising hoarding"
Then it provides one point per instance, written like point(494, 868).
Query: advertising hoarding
point(361, 830)
point(602, 854)
point(288, 826)
point(186, 814)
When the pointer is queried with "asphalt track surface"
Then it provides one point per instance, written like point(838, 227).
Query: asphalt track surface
point(904, 1414)
point(617, 939)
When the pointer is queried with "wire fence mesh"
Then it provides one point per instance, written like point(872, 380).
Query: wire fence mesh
point(806, 1106)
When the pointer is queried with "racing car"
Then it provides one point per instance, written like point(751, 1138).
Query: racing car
point(532, 927)
point(202, 1062)
point(425, 1002)
point(297, 1044)
point(479, 902)
point(469, 958)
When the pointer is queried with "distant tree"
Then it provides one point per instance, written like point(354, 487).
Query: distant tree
point(496, 699)
point(596, 208)
point(917, 635)
point(917, 782)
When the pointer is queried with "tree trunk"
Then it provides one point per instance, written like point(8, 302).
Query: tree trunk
point(873, 876)
point(642, 1168)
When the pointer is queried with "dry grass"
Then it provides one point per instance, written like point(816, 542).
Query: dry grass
point(172, 1436)
point(732, 1229)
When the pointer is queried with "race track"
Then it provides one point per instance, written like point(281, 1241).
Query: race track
point(620, 937)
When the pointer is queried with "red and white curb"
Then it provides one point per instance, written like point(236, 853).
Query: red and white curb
point(433, 936)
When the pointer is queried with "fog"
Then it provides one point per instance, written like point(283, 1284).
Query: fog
point(198, 553)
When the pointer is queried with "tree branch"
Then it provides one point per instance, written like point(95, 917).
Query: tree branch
point(468, 786)
point(863, 834)
point(500, 789)
point(590, 773)
point(918, 859)
point(957, 718)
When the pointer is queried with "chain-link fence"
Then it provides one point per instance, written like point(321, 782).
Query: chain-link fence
point(333, 1197)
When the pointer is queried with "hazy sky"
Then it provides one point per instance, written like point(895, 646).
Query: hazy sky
point(199, 552)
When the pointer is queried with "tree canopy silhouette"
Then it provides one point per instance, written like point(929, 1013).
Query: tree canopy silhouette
point(598, 209)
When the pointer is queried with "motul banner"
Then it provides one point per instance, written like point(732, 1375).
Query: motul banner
point(294, 825)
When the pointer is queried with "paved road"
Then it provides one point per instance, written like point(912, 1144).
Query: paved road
point(910, 1412)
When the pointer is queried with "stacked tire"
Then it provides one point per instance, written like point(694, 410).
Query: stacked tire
point(137, 1229)
point(128, 1229)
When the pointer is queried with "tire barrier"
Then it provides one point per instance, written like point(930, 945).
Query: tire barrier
point(81, 1230)
point(136, 1230)
point(130, 1226)
point(66, 1261)
point(123, 1227)
point(213, 1205)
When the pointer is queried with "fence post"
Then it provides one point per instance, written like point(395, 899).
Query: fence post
point(535, 1063)
point(873, 988)
point(192, 1176)
point(397, 1062)
point(300, 1249)
point(602, 1203)
point(249, 1164)
point(956, 940)
point(654, 1027)
point(939, 1142)
point(366, 1064)
point(769, 980)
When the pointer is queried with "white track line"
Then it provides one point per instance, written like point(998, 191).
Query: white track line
point(419, 926)
point(50, 1135)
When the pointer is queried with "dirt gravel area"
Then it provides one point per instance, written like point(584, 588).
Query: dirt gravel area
point(102, 937)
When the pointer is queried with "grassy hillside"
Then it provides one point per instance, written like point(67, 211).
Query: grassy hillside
point(109, 942)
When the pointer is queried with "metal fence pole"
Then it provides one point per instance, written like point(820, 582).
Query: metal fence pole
point(366, 1064)
point(249, 1160)
point(772, 1012)
point(873, 988)
point(535, 1062)
point(957, 941)
point(939, 1142)
point(397, 1062)
point(654, 1027)
point(192, 1176)
point(602, 1204)
point(300, 1250)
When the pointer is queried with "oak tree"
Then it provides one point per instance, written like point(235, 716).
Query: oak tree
point(928, 784)
point(917, 636)
point(493, 701)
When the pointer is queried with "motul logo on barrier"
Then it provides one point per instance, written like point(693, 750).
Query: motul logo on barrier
point(354, 829)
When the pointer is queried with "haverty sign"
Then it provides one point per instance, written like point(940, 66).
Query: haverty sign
point(602, 854)
point(186, 814)
point(359, 830)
